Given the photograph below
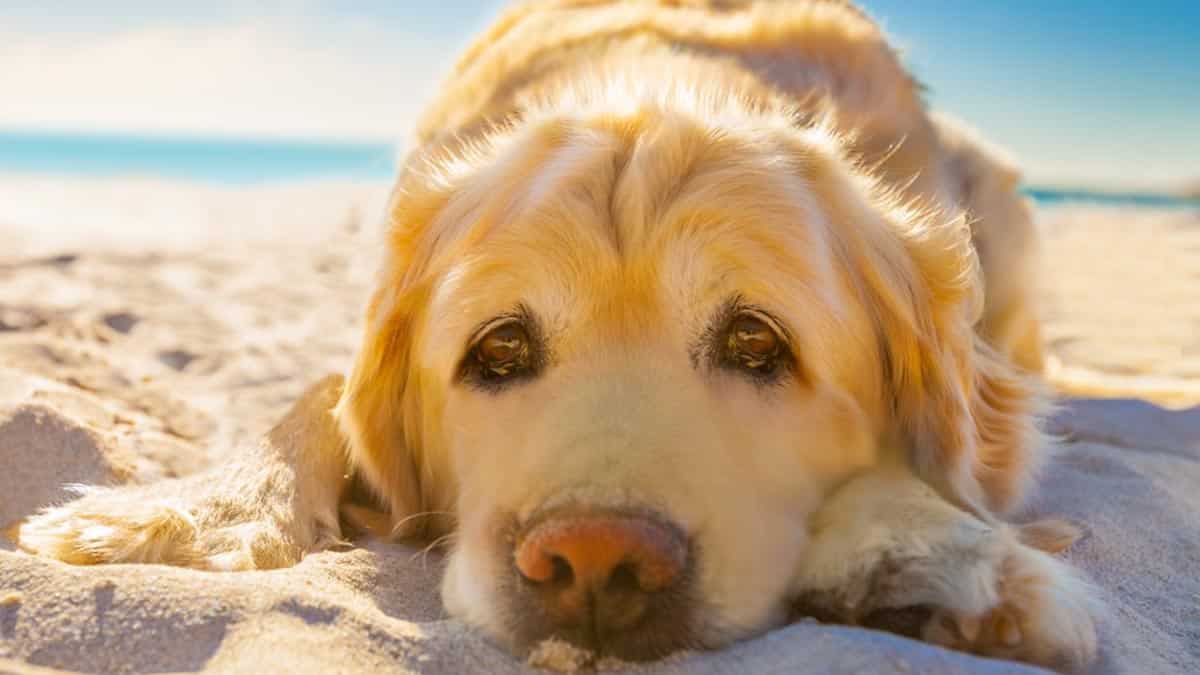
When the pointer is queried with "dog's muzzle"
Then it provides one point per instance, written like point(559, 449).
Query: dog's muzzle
point(605, 580)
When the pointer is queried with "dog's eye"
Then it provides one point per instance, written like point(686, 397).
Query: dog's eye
point(752, 344)
point(503, 353)
point(503, 346)
point(753, 339)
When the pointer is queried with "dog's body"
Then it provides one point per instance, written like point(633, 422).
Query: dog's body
point(680, 325)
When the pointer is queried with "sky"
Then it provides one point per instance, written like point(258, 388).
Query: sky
point(1099, 94)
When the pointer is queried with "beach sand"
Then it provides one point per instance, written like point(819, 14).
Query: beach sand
point(148, 328)
point(1121, 294)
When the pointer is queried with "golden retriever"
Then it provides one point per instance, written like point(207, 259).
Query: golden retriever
point(682, 328)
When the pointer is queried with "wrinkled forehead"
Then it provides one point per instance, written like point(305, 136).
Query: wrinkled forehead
point(629, 227)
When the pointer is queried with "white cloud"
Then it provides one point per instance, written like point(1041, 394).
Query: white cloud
point(343, 80)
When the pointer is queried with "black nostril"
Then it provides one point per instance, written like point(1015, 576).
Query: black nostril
point(563, 575)
point(623, 579)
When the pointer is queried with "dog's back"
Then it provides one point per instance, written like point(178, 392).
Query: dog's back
point(825, 58)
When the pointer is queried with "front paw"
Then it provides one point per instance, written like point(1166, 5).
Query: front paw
point(1041, 612)
point(113, 526)
point(153, 525)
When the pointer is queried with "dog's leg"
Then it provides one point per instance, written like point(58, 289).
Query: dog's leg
point(886, 541)
point(265, 509)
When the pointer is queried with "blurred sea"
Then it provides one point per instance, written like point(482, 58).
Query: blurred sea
point(250, 161)
point(228, 161)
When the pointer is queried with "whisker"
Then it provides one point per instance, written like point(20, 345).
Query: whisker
point(423, 514)
point(424, 552)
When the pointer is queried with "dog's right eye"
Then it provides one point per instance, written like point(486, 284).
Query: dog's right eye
point(505, 352)
point(504, 348)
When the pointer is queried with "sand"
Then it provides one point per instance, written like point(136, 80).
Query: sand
point(1121, 293)
point(148, 328)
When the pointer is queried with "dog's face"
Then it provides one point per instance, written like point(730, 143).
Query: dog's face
point(687, 361)
point(631, 354)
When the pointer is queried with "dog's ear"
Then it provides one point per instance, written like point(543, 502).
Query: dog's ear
point(967, 416)
point(381, 409)
point(379, 413)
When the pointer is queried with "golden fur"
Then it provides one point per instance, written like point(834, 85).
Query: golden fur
point(622, 170)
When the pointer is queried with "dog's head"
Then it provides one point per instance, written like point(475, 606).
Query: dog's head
point(630, 348)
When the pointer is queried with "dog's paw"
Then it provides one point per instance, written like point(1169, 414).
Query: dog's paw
point(127, 525)
point(112, 526)
point(1041, 612)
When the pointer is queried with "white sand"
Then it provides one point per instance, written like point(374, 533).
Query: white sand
point(1122, 302)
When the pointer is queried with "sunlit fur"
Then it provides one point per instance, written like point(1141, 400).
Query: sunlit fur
point(621, 171)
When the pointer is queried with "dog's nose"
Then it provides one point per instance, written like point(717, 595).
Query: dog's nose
point(601, 569)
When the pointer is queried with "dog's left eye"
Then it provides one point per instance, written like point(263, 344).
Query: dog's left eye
point(754, 345)
point(503, 347)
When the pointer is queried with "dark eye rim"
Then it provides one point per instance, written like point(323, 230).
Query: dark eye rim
point(472, 369)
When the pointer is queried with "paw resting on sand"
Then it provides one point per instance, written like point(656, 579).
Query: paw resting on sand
point(992, 589)
point(123, 526)
point(257, 513)
point(195, 522)
point(1038, 611)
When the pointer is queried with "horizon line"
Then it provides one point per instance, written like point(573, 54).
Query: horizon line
point(1182, 187)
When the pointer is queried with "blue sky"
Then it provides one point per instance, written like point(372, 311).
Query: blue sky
point(1096, 93)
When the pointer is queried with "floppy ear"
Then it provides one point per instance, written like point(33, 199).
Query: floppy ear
point(966, 415)
point(381, 409)
point(379, 412)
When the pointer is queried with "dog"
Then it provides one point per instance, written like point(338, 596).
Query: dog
point(682, 328)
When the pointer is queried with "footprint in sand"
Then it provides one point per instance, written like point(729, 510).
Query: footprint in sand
point(122, 322)
point(176, 359)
